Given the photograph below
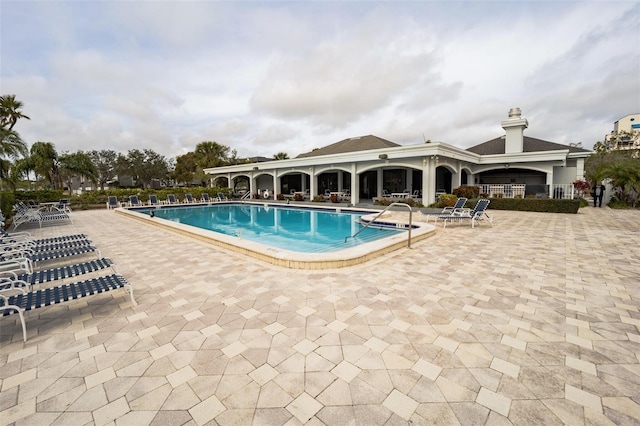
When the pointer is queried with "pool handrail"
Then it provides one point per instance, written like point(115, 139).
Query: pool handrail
point(380, 214)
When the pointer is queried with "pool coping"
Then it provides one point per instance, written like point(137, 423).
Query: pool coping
point(291, 259)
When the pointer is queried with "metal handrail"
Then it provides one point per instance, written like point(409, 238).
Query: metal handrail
point(380, 214)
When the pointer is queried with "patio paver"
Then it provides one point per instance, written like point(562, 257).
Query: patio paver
point(536, 320)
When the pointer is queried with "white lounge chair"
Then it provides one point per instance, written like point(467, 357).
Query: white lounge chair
point(478, 213)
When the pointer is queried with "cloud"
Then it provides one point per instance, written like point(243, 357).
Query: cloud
point(266, 77)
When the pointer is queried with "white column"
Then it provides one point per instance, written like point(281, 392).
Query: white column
point(379, 181)
point(456, 178)
point(340, 180)
point(580, 169)
point(550, 183)
point(429, 182)
point(313, 182)
point(276, 184)
point(355, 185)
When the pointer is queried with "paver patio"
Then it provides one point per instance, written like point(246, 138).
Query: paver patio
point(533, 321)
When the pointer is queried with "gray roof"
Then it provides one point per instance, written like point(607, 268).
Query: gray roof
point(360, 143)
point(496, 146)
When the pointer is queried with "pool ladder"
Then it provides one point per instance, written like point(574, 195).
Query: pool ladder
point(380, 214)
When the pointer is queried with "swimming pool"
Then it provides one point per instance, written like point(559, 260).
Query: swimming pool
point(295, 229)
point(247, 228)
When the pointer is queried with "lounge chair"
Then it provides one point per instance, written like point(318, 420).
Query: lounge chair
point(64, 205)
point(188, 198)
point(15, 271)
point(31, 247)
point(28, 300)
point(478, 213)
point(456, 209)
point(153, 200)
point(222, 196)
point(25, 215)
point(112, 202)
point(29, 258)
point(205, 198)
point(6, 237)
point(171, 199)
point(134, 201)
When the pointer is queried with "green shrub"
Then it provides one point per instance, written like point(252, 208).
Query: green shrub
point(446, 200)
point(467, 191)
point(532, 205)
point(318, 199)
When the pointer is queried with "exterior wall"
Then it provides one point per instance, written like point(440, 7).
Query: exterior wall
point(627, 123)
point(424, 158)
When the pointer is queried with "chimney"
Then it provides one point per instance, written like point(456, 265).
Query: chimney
point(514, 129)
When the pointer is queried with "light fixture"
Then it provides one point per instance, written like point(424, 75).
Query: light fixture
point(255, 168)
point(383, 156)
point(507, 165)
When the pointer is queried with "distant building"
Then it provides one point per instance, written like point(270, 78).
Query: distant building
point(625, 134)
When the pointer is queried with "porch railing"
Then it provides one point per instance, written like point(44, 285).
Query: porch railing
point(559, 191)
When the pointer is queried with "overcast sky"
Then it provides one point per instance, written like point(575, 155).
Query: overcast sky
point(269, 77)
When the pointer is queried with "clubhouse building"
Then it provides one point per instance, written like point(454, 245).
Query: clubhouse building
point(366, 167)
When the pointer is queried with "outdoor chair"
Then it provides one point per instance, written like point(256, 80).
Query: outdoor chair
point(456, 209)
point(153, 200)
point(205, 198)
point(25, 215)
point(188, 198)
point(15, 271)
point(134, 201)
point(29, 258)
point(478, 213)
point(112, 202)
point(222, 196)
point(28, 300)
point(64, 205)
point(171, 199)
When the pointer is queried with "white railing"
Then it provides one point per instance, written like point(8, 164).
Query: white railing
point(563, 190)
point(511, 190)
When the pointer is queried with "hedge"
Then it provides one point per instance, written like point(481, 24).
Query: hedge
point(548, 205)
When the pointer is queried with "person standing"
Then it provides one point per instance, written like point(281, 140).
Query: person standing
point(598, 194)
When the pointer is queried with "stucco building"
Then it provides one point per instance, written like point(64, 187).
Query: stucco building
point(366, 166)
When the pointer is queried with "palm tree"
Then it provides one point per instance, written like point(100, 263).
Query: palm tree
point(42, 161)
point(77, 164)
point(11, 145)
point(10, 111)
point(281, 156)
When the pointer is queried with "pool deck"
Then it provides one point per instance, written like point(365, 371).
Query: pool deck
point(535, 320)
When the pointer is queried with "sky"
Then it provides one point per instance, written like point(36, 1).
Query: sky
point(273, 76)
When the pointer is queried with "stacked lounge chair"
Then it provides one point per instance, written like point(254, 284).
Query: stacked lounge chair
point(18, 279)
point(24, 214)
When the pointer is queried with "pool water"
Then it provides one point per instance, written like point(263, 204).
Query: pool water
point(294, 229)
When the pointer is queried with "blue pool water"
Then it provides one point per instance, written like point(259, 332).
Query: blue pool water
point(295, 229)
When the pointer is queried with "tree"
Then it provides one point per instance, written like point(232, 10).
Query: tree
point(621, 167)
point(211, 154)
point(42, 161)
point(143, 166)
point(10, 111)
point(105, 163)
point(185, 168)
point(625, 179)
point(281, 156)
point(11, 145)
point(77, 164)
